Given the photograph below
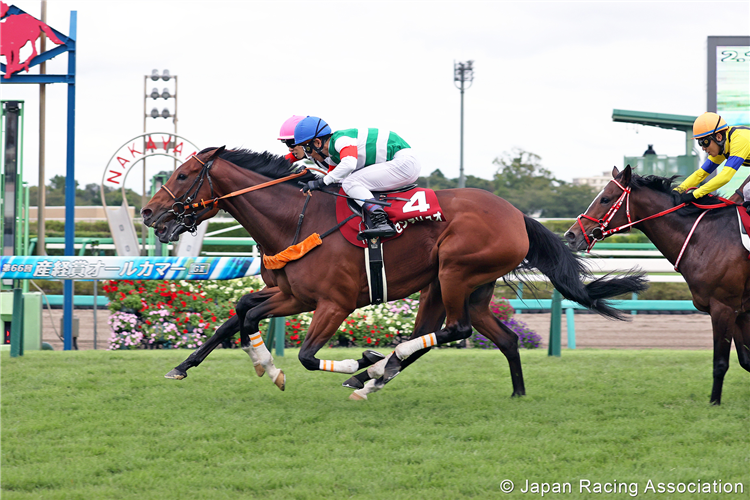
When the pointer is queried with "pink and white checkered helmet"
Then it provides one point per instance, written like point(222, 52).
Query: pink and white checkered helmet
point(287, 128)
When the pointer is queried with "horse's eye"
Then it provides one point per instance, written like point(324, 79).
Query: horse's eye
point(604, 200)
point(182, 177)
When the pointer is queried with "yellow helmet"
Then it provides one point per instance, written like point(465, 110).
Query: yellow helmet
point(708, 124)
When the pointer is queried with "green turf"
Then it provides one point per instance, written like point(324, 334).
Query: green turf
point(107, 425)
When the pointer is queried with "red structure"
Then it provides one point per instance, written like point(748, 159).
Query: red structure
point(18, 30)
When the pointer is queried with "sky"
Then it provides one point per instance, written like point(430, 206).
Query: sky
point(547, 77)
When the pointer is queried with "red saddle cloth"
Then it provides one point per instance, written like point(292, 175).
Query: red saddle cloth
point(411, 207)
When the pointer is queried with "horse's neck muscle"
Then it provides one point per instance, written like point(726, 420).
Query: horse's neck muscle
point(271, 214)
point(266, 214)
point(668, 232)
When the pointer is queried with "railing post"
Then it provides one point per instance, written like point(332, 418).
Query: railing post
point(519, 294)
point(280, 334)
point(16, 327)
point(555, 324)
point(570, 320)
point(275, 336)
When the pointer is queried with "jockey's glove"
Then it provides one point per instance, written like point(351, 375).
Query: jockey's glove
point(680, 198)
point(313, 185)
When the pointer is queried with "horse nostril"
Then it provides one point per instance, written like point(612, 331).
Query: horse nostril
point(146, 212)
point(570, 236)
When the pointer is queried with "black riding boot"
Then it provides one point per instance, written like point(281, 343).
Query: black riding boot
point(746, 204)
point(381, 227)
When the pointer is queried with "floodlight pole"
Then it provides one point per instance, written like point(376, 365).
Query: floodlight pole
point(463, 72)
point(155, 76)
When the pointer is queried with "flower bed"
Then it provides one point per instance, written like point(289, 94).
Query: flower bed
point(182, 314)
point(527, 338)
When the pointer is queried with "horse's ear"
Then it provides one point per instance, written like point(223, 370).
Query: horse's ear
point(615, 172)
point(624, 176)
point(217, 152)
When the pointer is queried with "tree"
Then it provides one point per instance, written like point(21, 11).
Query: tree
point(437, 180)
point(88, 196)
point(533, 189)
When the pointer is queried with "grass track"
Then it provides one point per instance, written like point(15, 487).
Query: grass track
point(107, 425)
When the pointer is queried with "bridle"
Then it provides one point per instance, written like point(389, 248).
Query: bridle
point(600, 232)
point(184, 207)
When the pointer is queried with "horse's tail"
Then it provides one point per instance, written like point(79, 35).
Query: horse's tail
point(566, 270)
point(50, 34)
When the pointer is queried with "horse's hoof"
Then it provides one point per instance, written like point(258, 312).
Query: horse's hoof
point(372, 357)
point(353, 383)
point(358, 397)
point(280, 380)
point(259, 370)
point(176, 374)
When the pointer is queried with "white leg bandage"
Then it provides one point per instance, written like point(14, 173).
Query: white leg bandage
point(369, 388)
point(377, 370)
point(262, 355)
point(345, 366)
point(250, 352)
point(406, 349)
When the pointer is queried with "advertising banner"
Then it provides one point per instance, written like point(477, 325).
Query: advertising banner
point(128, 268)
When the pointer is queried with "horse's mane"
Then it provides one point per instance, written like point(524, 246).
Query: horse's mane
point(665, 185)
point(654, 182)
point(265, 163)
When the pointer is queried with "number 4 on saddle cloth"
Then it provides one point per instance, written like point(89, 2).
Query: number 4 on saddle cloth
point(410, 205)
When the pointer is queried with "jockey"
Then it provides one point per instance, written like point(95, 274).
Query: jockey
point(721, 142)
point(362, 160)
point(286, 135)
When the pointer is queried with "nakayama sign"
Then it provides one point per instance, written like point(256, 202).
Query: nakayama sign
point(142, 147)
point(125, 158)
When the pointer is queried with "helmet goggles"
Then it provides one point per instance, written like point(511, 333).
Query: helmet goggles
point(704, 142)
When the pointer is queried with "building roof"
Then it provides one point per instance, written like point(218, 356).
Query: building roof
point(661, 120)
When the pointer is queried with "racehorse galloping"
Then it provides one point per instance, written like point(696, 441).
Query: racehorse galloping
point(714, 263)
point(455, 262)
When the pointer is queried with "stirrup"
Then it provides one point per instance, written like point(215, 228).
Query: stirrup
point(381, 231)
point(381, 226)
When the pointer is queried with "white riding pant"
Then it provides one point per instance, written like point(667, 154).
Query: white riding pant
point(746, 192)
point(403, 169)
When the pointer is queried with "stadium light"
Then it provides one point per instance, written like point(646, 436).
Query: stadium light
point(463, 72)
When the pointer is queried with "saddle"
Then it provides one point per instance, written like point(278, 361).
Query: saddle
point(408, 205)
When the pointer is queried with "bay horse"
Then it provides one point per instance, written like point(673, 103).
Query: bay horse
point(454, 263)
point(712, 260)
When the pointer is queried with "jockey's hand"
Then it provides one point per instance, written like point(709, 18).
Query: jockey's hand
point(680, 198)
point(313, 185)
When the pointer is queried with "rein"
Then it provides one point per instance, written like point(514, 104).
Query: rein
point(180, 207)
point(600, 232)
point(293, 252)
